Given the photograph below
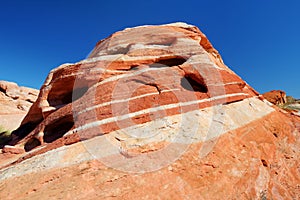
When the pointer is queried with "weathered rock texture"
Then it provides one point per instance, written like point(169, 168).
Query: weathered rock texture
point(155, 99)
point(277, 97)
point(134, 76)
point(15, 102)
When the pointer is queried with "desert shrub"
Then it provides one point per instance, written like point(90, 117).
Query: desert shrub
point(290, 99)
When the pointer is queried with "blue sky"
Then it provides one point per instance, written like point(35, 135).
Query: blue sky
point(258, 39)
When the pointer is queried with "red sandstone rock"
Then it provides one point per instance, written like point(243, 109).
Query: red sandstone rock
point(13, 149)
point(131, 71)
point(155, 99)
point(277, 97)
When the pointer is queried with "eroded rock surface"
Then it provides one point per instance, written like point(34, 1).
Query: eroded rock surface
point(134, 76)
point(153, 112)
point(276, 97)
point(15, 102)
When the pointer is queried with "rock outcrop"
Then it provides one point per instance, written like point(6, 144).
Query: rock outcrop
point(133, 77)
point(276, 97)
point(155, 99)
point(15, 102)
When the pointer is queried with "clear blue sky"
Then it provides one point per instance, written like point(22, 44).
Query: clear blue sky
point(258, 39)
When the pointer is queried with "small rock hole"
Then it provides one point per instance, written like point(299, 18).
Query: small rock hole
point(264, 162)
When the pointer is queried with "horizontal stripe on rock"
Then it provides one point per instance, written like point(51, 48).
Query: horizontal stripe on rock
point(97, 120)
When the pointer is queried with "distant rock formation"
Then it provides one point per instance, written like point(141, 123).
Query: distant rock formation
point(15, 102)
point(155, 99)
point(276, 97)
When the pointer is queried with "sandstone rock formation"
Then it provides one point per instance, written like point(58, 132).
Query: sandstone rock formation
point(277, 97)
point(15, 102)
point(152, 113)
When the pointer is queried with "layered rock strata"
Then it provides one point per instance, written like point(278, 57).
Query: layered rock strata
point(155, 99)
point(135, 76)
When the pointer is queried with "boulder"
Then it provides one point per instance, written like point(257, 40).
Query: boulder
point(13, 149)
point(276, 97)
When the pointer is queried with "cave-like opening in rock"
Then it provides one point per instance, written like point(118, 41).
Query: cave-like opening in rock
point(31, 144)
point(191, 84)
point(2, 90)
point(58, 128)
point(168, 62)
point(66, 97)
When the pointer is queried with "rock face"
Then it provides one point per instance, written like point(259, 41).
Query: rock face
point(133, 77)
point(15, 102)
point(277, 97)
point(153, 112)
